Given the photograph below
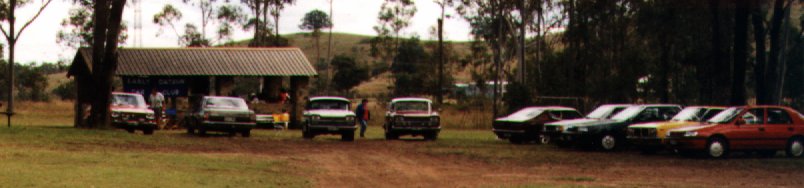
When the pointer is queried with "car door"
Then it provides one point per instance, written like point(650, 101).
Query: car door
point(778, 129)
point(747, 134)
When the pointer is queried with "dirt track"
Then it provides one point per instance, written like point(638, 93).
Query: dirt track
point(380, 163)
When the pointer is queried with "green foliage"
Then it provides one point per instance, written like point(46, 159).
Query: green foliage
point(76, 29)
point(66, 91)
point(30, 81)
point(411, 72)
point(348, 73)
point(315, 20)
point(226, 16)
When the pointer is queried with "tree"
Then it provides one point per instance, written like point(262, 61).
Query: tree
point(276, 7)
point(347, 73)
point(7, 14)
point(226, 16)
point(740, 52)
point(443, 4)
point(76, 29)
point(315, 21)
point(106, 30)
point(393, 18)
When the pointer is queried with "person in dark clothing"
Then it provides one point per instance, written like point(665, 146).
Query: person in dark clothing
point(363, 116)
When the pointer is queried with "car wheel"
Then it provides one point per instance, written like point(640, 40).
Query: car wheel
point(246, 133)
point(348, 136)
point(608, 142)
point(391, 136)
point(544, 139)
point(717, 148)
point(795, 148)
point(148, 131)
point(431, 136)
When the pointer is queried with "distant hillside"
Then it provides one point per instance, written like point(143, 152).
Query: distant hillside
point(358, 47)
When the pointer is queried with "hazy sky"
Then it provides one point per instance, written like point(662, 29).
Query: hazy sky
point(38, 42)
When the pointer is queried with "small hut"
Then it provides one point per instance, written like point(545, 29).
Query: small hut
point(187, 73)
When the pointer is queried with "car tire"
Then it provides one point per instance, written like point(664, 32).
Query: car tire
point(717, 148)
point(795, 147)
point(431, 136)
point(348, 136)
point(246, 133)
point(148, 131)
point(543, 139)
point(608, 142)
point(391, 136)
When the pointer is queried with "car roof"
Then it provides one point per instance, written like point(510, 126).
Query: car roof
point(617, 105)
point(410, 99)
point(124, 93)
point(659, 105)
point(224, 97)
point(329, 98)
point(708, 107)
point(558, 108)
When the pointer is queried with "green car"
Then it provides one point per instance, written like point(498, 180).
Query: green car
point(224, 114)
point(608, 134)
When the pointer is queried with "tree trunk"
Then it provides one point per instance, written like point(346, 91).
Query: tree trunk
point(760, 90)
point(740, 52)
point(440, 89)
point(708, 86)
point(12, 40)
point(776, 55)
point(104, 57)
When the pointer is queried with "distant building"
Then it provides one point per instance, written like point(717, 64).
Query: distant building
point(193, 72)
point(473, 90)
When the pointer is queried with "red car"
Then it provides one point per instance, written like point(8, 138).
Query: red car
point(765, 129)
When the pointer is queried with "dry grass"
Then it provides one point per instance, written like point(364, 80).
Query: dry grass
point(54, 113)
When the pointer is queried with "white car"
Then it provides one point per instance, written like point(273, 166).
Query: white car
point(329, 115)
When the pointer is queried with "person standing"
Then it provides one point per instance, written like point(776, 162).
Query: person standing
point(157, 103)
point(363, 116)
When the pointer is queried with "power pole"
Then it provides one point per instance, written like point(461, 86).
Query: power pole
point(440, 92)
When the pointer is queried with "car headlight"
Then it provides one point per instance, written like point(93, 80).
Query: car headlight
point(690, 133)
point(115, 114)
point(667, 134)
point(583, 129)
point(149, 116)
point(350, 118)
point(315, 118)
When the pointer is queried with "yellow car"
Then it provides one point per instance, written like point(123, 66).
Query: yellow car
point(650, 137)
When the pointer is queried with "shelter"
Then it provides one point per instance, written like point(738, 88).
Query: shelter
point(193, 72)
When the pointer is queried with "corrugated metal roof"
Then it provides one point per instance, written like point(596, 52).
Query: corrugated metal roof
point(209, 62)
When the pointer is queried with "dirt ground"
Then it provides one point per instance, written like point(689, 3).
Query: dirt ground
point(403, 163)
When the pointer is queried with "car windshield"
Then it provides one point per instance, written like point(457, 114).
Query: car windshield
point(411, 106)
point(726, 115)
point(689, 114)
point(526, 113)
point(329, 105)
point(225, 103)
point(128, 101)
point(601, 112)
point(628, 113)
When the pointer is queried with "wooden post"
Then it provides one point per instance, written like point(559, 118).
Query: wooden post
point(298, 91)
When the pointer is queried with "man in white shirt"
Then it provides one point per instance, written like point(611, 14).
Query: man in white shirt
point(157, 103)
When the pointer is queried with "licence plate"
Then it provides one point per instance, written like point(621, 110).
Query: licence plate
point(229, 119)
point(332, 128)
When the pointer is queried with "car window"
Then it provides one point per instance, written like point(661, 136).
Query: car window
point(666, 113)
point(649, 114)
point(778, 116)
point(710, 113)
point(615, 111)
point(571, 114)
point(225, 103)
point(555, 115)
point(328, 105)
point(754, 116)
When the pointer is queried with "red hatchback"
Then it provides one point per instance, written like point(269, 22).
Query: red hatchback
point(765, 129)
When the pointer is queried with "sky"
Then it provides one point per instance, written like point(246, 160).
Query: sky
point(38, 42)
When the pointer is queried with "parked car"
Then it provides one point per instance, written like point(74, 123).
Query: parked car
point(526, 124)
point(129, 112)
point(223, 114)
point(329, 115)
point(650, 137)
point(765, 129)
point(601, 112)
point(411, 116)
point(608, 134)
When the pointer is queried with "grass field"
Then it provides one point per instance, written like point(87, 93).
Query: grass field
point(45, 151)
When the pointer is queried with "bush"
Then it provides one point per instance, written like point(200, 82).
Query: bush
point(66, 91)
